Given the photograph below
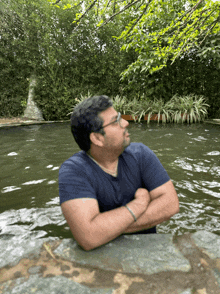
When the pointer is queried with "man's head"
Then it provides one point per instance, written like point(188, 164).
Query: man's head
point(85, 119)
point(95, 121)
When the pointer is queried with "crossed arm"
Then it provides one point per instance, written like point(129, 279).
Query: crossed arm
point(91, 228)
point(163, 205)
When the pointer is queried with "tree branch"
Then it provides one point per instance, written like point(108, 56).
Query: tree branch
point(90, 7)
point(139, 18)
point(189, 12)
point(120, 11)
point(194, 23)
point(106, 6)
point(58, 1)
point(214, 24)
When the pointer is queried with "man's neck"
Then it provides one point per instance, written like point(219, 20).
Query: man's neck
point(107, 160)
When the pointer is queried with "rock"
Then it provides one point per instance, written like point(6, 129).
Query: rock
point(216, 273)
point(32, 111)
point(54, 285)
point(146, 254)
point(135, 264)
point(208, 242)
point(12, 251)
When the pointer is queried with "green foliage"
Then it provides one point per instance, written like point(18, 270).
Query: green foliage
point(42, 38)
point(120, 104)
point(10, 107)
point(71, 59)
point(138, 107)
point(79, 100)
point(167, 31)
point(189, 74)
point(189, 108)
point(158, 30)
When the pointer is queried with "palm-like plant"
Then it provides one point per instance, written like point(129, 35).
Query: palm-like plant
point(147, 109)
point(120, 104)
point(177, 106)
point(135, 109)
point(161, 108)
point(200, 108)
point(79, 100)
point(190, 108)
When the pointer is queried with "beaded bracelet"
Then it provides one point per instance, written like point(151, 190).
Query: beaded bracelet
point(135, 219)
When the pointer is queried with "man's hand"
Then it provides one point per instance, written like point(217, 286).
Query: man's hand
point(142, 197)
point(163, 204)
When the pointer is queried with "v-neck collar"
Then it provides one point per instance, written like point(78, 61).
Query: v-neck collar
point(103, 169)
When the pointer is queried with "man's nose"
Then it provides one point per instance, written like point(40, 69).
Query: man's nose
point(125, 123)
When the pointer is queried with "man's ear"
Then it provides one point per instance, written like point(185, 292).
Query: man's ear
point(96, 139)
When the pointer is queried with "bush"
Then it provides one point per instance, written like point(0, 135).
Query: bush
point(10, 107)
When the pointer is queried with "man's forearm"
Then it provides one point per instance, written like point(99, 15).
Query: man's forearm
point(108, 225)
point(158, 211)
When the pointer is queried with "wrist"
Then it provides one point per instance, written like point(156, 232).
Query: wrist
point(131, 212)
point(136, 207)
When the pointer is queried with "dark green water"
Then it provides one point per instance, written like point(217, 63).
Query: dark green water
point(30, 158)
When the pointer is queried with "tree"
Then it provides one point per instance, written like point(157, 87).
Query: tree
point(168, 32)
point(158, 30)
point(177, 45)
point(73, 47)
point(41, 41)
point(21, 35)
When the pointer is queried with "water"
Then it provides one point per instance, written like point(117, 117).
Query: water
point(30, 158)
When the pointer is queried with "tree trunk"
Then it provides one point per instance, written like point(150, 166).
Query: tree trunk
point(32, 111)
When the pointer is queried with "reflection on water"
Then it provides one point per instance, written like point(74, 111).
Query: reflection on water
point(30, 158)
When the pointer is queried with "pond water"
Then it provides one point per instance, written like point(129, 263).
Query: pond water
point(30, 157)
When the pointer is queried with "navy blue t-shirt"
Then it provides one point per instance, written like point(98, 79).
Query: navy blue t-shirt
point(138, 167)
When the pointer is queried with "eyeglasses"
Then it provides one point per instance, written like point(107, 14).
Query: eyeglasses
point(118, 120)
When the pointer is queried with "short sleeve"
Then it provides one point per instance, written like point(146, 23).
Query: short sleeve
point(152, 171)
point(74, 183)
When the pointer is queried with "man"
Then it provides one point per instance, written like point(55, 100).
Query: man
point(112, 186)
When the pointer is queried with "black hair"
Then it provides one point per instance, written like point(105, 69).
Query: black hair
point(85, 119)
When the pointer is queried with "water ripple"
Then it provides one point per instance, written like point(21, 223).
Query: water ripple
point(199, 139)
point(209, 184)
point(28, 223)
point(196, 167)
point(51, 182)
point(12, 154)
point(207, 191)
point(34, 182)
point(187, 185)
point(10, 189)
point(53, 167)
point(213, 153)
point(182, 163)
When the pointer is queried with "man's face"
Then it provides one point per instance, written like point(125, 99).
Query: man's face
point(116, 134)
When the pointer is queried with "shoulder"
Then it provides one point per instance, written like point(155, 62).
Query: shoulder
point(138, 150)
point(76, 167)
point(75, 162)
point(76, 178)
point(138, 154)
point(143, 155)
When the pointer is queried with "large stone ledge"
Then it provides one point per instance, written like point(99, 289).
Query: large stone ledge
point(156, 263)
